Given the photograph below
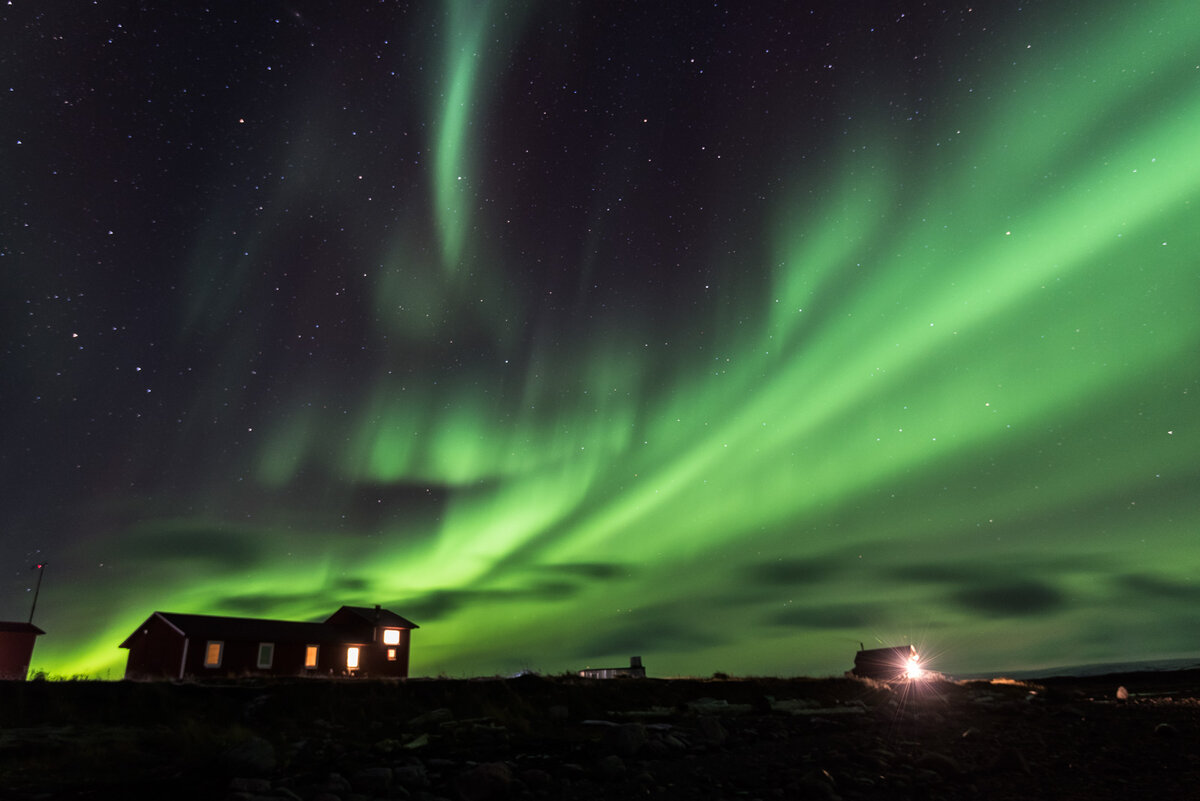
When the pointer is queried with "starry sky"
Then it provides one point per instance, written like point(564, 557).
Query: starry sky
point(726, 334)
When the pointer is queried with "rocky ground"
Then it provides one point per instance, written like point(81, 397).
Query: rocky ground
point(569, 738)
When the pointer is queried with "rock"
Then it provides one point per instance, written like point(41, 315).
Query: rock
point(387, 746)
point(420, 741)
point(819, 785)
point(794, 706)
point(939, 763)
point(485, 781)
point(558, 714)
point(258, 786)
point(1122, 694)
point(252, 757)
point(1010, 761)
point(926, 776)
point(711, 731)
point(1166, 730)
point(611, 766)
point(536, 779)
point(673, 742)
point(626, 739)
point(431, 719)
point(284, 794)
point(412, 774)
point(336, 784)
point(372, 781)
point(716, 706)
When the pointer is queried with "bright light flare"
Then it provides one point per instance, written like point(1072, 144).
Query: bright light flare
point(913, 669)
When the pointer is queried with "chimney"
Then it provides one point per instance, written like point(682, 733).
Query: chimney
point(635, 661)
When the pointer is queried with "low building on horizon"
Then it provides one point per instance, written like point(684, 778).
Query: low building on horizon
point(354, 641)
point(893, 662)
point(16, 649)
point(634, 671)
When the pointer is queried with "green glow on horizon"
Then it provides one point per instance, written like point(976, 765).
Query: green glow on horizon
point(951, 368)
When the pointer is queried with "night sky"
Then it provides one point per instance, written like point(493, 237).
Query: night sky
point(726, 334)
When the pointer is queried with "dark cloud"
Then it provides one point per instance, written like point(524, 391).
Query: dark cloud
point(926, 573)
point(1017, 598)
point(791, 572)
point(647, 637)
point(990, 570)
point(262, 604)
point(194, 544)
point(348, 584)
point(553, 582)
point(440, 604)
point(662, 627)
point(1146, 585)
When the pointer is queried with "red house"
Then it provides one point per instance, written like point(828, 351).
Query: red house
point(353, 641)
point(16, 648)
point(896, 662)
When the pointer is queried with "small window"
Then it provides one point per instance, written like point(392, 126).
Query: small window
point(213, 654)
point(310, 656)
point(391, 636)
point(266, 654)
point(352, 657)
point(391, 654)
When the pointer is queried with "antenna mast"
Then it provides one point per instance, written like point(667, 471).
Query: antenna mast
point(41, 568)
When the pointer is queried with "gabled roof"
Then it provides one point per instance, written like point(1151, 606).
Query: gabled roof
point(213, 627)
point(349, 626)
point(22, 628)
point(374, 616)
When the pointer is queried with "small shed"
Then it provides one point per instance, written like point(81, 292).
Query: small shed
point(884, 663)
point(353, 641)
point(16, 649)
point(634, 671)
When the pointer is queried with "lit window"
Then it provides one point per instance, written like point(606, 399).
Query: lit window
point(391, 654)
point(266, 654)
point(352, 657)
point(310, 656)
point(212, 654)
point(391, 636)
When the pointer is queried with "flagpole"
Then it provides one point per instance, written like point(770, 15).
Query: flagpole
point(41, 568)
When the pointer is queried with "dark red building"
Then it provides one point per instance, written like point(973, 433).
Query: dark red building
point(16, 649)
point(895, 662)
point(353, 641)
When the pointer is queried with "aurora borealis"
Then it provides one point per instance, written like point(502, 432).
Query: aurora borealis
point(727, 336)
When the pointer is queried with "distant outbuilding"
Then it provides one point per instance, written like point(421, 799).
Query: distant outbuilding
point(353, 641)
point(16, 649)
point(634, 671)
point(896, 662)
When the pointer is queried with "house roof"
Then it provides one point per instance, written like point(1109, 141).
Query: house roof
point(22, 628)
point(214, 627)
point(375, 616)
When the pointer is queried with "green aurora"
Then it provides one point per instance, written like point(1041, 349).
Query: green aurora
point(935, 384)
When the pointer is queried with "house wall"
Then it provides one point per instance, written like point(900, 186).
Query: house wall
point(882, 663)
point(155, 652)
point(240, 658)
point(16, 649)
point(158, 649)
point(373, 659)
